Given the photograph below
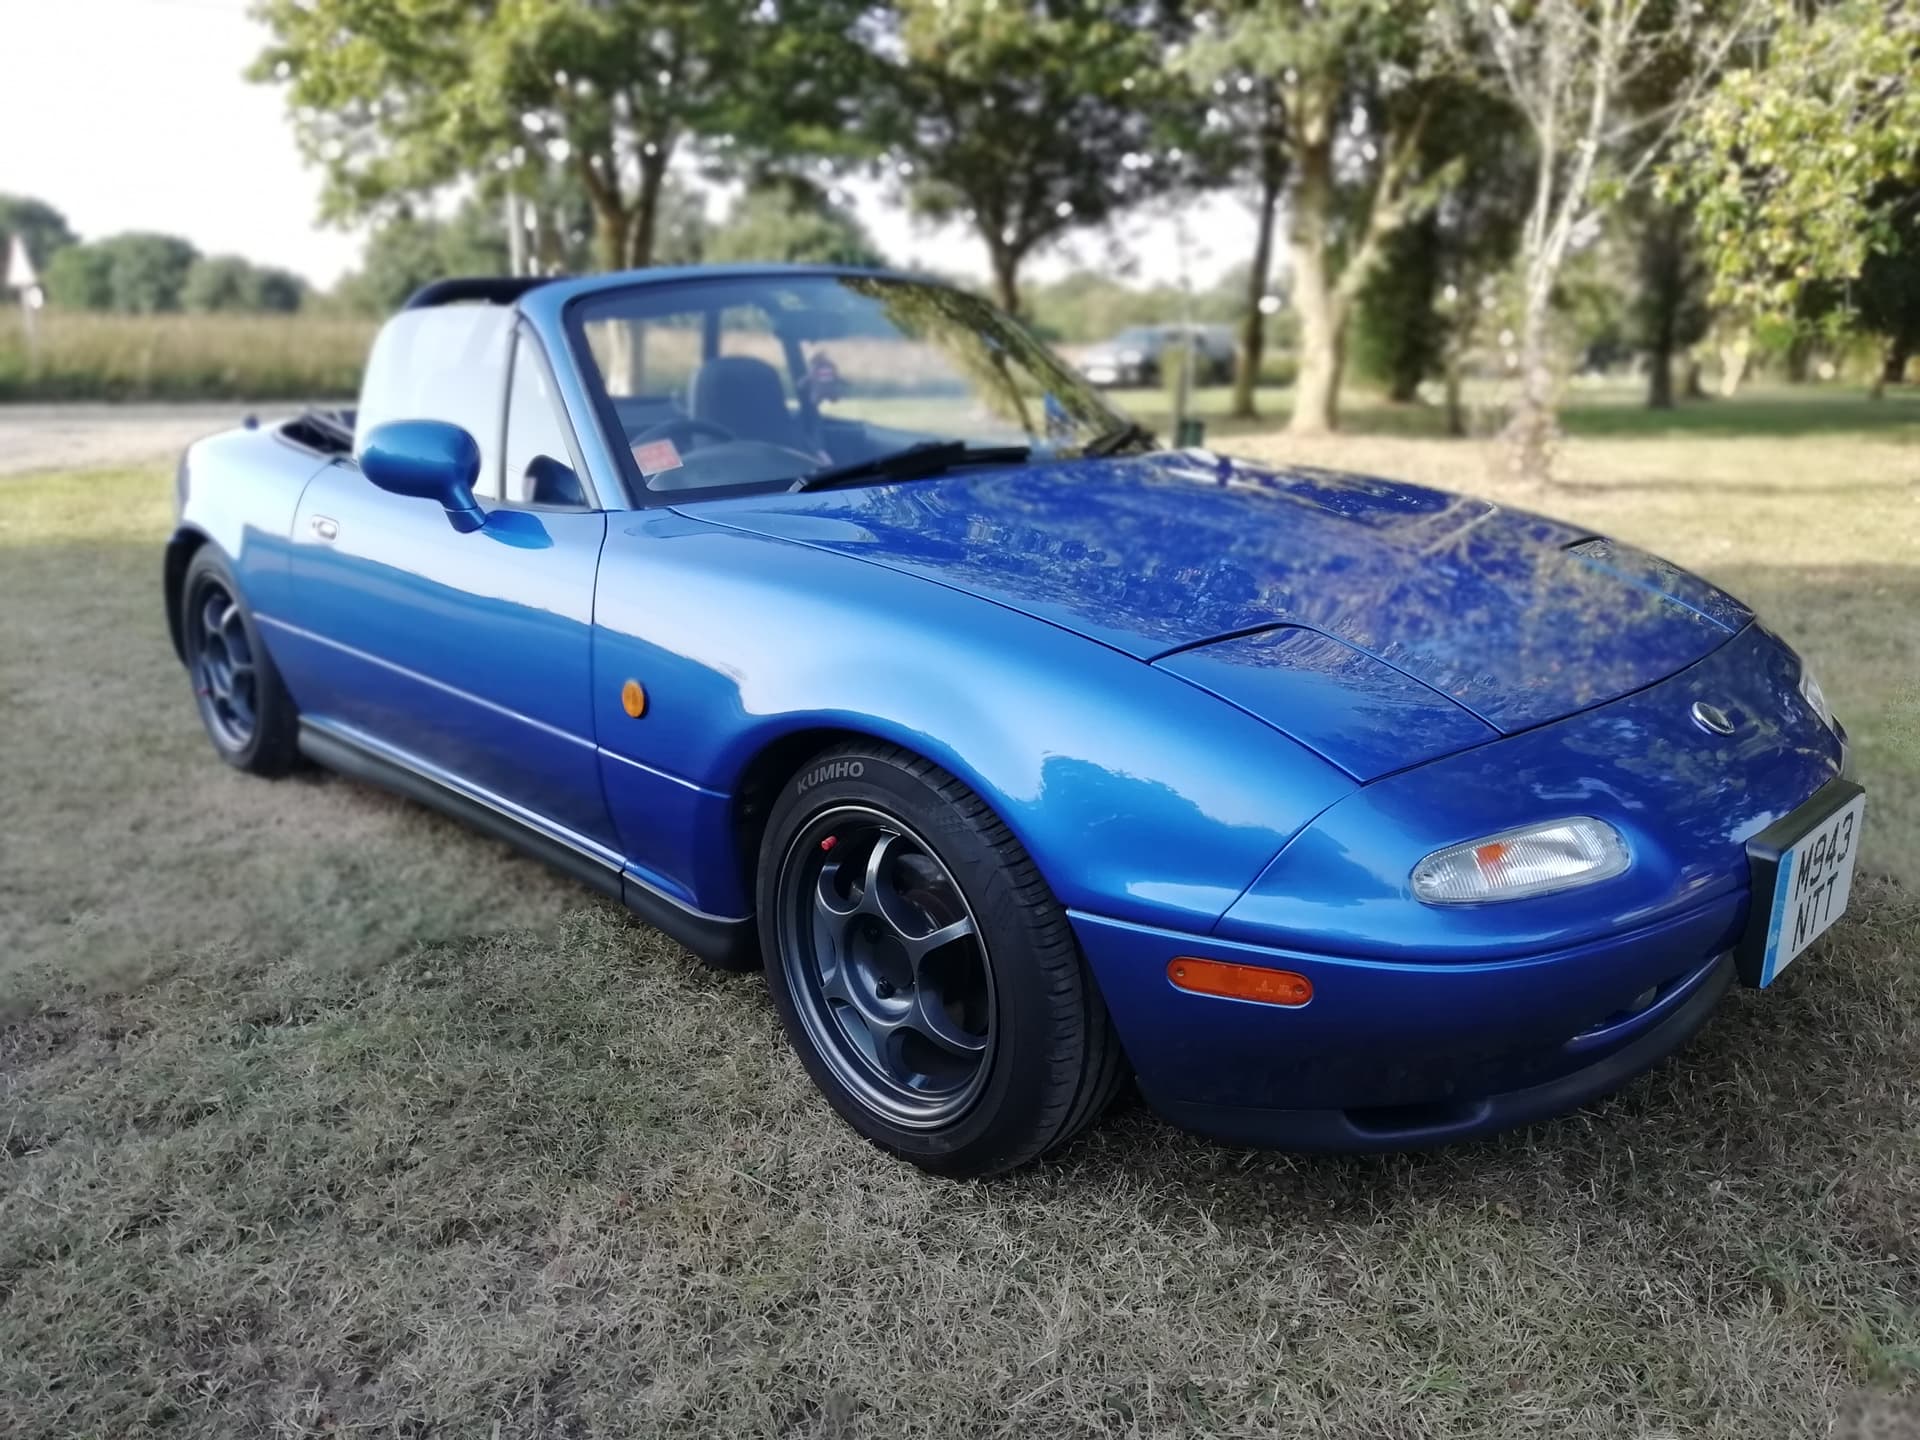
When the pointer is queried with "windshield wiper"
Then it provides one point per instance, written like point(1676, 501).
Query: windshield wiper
point(1130, 433)
point(916, 462)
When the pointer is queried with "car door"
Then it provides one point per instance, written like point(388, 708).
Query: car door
point(467, 655)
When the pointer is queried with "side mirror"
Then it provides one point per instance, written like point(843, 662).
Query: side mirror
point(427, 460)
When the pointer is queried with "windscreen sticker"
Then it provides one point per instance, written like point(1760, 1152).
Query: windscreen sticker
point(656, 456)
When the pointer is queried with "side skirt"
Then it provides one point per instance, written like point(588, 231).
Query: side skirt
point(734, 944)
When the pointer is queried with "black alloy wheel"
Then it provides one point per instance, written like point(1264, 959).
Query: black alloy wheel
point(246, 710)
point(924, 971)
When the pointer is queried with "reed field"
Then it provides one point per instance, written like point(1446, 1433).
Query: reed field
point(81, 355)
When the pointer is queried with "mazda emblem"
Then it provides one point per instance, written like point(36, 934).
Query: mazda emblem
point(1711, 718)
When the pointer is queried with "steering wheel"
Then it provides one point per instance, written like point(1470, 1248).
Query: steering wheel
point(683, 427)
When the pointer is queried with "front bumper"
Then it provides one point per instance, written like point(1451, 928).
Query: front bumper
point(1398, 1055)
point(1112, 374)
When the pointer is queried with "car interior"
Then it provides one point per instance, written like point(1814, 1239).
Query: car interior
point(752, 384)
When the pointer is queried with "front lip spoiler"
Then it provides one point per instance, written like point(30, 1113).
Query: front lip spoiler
point(1418, 1127)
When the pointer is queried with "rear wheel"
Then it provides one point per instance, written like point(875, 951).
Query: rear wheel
point(923, 970)
point(246, 710)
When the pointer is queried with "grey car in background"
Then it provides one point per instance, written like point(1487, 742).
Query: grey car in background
point(1136, 355)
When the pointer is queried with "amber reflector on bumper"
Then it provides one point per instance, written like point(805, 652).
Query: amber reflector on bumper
point(1240, 982)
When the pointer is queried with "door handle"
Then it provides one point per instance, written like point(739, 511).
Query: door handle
point(323, 527)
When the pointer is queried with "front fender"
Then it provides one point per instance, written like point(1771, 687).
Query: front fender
point(1138, 795)
point(238, 490)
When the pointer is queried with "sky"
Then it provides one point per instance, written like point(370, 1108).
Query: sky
point(134, 115)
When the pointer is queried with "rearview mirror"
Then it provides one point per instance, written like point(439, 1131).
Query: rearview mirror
point(427, 460)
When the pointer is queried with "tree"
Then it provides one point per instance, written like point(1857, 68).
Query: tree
point(148, 271)
point(80, 277)
point(1569, 67)
point(406, 253)
point(1399, 333)
point(1421, 311)
point(1889, 297)
point(1248, 113)
point(1670, 306)
point(1026, 118)
point(137, 272)
point(791, 221)
point(41, 228)
point(1356, 101)
point(230, 282)
point(398, 101)
point(1803, 172)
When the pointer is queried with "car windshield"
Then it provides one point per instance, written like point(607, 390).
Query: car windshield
point(1137, 337)
point(755, 382)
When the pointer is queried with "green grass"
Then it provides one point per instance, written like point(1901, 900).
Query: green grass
point(1598, 409)
point(319, 1115)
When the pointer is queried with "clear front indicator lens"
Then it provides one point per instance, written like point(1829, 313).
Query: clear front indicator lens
point(1517, 863)
point(1815, 697)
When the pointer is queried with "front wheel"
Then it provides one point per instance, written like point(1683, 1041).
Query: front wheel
point(247, 712)
point(924, 972)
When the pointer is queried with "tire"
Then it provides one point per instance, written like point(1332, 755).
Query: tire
point(968, 1057)
point(246, 710)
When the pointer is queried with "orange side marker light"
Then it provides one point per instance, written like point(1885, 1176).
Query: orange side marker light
point(633, 699)
point(1240, 982)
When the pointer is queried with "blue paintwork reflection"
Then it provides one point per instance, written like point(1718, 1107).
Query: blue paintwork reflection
point(1362, 714)
point(1150, 798)
point(470, 650)
point(1485, 605)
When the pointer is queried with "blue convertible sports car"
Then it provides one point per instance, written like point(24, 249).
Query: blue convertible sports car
point(836, 627)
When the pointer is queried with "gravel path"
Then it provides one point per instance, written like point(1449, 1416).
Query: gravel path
point(79, 437)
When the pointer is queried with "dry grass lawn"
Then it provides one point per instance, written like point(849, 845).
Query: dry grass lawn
point(319, 1115)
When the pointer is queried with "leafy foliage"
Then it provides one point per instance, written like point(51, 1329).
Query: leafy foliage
point(42, 228)
point(80, 277)
point(406, 253)
point(1796, 166)
point(1582, 76)
point(139, 272)
point(791, 222)
point(399, 100)
point(1355, 99)
point(231, 282)
point(1026, 119)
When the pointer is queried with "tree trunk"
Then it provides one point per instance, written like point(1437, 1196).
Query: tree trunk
point(1893, 368)
point(1456, 413)
point(1736, 344)
point(1316, 394)
point(1694, 390)
point(609, 233)
point(1253, 325)
point(1663, 292)
point(1531, 431)
point(637, 245)
point(1316, 389)
point(1660, 376)
point(1799, 359)
point(1006, 274)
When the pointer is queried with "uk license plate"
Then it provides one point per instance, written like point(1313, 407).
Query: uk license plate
point(1803, 873)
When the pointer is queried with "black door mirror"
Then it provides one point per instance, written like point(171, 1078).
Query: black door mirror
point(427, 460)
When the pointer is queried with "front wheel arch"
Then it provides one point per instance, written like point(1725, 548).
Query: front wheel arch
point(1062, 1063)
point(181, 549)
point(780, 758)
